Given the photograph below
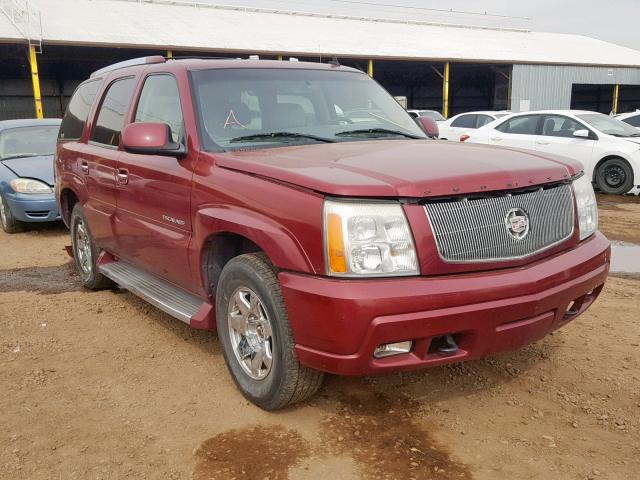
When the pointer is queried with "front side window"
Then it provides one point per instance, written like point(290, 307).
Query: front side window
point(78, 110)
point(112, 112)
point(633, 121)
point(522, 125)
point(608, 125)
point(160, 103)
point(274, 107)
point(560, 126)
point(483, 120)
point(23, 142)
point(465, 121)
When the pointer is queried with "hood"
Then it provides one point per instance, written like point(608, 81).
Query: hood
point(39, 168)
point(401, 168)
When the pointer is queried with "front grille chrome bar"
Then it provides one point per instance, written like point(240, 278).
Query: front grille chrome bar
point(469, 230)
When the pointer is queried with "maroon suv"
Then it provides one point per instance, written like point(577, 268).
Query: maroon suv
point(301, 212)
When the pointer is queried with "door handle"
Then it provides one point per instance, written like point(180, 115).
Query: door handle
point(84, 167)
point(122, 177)
point(542, 142)
point(496, 139)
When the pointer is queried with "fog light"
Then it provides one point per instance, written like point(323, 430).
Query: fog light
point(390, 349)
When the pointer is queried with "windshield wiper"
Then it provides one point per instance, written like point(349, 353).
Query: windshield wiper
point(25, 155)
point(279, 135)
point(375, 132)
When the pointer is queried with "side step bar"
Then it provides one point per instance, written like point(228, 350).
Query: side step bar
point(168, 298)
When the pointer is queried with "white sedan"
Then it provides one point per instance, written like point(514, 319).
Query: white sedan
point(453, 128)
point(608, 148)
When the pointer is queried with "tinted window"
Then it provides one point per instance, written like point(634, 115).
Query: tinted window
point(160, 103)
point(112, 112)
point(78, 110)
point(634, 121)
point(483, 120)
point(524, 125)
point(559, 126)
point(465, 121)
point(608, 125)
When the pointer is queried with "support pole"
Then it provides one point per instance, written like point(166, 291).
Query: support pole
point(445, 91)
point(616, 94)
point(169, 53)
point(280, 57)
point(510, 89)
point(370, 68)
point(35, 79)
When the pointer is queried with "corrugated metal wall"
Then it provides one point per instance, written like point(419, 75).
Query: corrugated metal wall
point(549, 86)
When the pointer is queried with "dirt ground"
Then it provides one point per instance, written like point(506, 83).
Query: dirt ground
point(104, 386)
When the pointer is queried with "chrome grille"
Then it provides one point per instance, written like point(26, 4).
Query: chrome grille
point(474, 230)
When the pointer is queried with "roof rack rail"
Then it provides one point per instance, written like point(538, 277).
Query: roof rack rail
point(129, 63)
point(198, 57)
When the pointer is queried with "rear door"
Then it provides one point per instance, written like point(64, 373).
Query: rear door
point(521, 131)
point(557, 138)
point(462, 125)
point(98, 161)
point(154, 194)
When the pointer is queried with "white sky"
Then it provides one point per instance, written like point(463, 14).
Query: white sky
point(613, 20)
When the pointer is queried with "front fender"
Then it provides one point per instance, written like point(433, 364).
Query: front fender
point(276, 241)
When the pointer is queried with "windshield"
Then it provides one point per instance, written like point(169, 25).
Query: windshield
point(273, 107)
point(433, 114)
point(608, 125)
point(28, 141)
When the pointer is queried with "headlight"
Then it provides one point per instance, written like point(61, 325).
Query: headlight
point(368, 240)
point(587, 206)
point(28, 185)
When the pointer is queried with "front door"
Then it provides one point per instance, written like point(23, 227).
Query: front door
point(153, 220)
point(516, 132)
point(557, 138)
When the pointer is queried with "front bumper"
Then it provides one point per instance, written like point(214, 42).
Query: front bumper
point(33, 208)
point(337, 323)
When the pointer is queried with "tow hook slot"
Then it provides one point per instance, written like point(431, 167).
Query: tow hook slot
point(445, 346)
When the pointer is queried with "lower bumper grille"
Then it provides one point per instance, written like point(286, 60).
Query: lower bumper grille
point(505, 227)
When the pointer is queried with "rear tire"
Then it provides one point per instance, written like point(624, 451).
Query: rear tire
point(8, 221)
point(86, 252)
point(253, 328)
point(614, 176)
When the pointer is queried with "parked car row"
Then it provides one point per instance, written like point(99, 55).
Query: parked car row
point(608, 147)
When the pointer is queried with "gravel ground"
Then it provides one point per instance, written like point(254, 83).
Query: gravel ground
point(104, 386)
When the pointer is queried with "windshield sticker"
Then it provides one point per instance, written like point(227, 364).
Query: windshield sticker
point(232, 120)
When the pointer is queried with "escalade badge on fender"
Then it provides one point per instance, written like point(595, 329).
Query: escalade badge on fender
point(517, 223)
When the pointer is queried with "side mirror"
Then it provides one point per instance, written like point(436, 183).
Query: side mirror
point(429, 125)
point(584, 133)
point(151, 139)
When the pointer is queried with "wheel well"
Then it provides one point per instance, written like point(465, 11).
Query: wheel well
point(218, 250)
point(599, 164)
point(68, 200)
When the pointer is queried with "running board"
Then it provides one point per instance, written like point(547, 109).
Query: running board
point(160, 293)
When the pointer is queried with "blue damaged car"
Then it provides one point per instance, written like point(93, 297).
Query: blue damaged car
point(26, 172)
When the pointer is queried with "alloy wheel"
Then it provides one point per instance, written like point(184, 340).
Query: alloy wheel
point(250, 333)
point(83, 248)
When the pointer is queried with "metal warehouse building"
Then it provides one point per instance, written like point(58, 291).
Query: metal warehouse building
point(47, 47)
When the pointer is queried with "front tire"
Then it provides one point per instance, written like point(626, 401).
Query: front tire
point(86, 252)
point(8, 221)
point(253, 328)
point(614, 176)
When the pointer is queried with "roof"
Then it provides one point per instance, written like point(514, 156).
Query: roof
point(28, 122)
point(165, 24)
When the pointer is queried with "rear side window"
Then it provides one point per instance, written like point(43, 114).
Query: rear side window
point(465, 121)
point(524, 125)
point(78, 110)
point(112, 112)
point(160, 103)
point(633, 121)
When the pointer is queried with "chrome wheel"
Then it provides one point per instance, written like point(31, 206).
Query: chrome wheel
point(250, 333)
point(83, 248)
point(3, 212)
